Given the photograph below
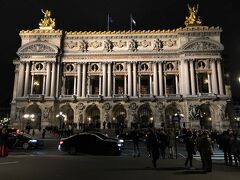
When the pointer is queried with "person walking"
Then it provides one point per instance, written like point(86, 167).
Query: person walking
point(3, 142)
point(43, 133)
point(235, 149)
point(224, 144)
point(154, 146)
point(207, 151)
point(135, 137)
point(190, 149)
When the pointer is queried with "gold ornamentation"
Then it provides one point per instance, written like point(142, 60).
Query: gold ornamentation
point(193, 18)
point(47, 22)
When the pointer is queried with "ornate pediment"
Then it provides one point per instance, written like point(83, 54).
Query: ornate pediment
point(203, 45)
point(37, 47)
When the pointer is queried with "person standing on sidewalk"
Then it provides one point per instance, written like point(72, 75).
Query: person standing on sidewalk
point(190, 149)
point(3, 142)
point(207, 151)
point(135, 137)
point(154, 147)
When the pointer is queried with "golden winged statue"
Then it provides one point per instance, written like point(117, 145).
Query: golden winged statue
point(47, 22)
point(193, 19)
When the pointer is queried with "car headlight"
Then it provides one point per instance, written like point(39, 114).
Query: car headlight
point(33, 141)
point(119, 145)
point(121, 141)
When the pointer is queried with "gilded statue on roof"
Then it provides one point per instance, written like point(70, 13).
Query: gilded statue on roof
point(47, 22)
point(193, 19)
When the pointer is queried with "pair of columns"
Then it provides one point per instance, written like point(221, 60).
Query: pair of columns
point(24, 76)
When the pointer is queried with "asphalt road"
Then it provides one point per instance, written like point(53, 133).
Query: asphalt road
point(48, 163)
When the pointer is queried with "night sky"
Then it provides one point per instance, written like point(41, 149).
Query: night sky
point(89, 15)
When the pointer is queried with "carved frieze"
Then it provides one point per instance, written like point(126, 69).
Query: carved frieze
point(133, 45)
point(71, 44)
point(95, 44)
point(108, 45)
point(158, 45)
point(202, 46)
point(145, 43)
point(38, 48)
point(83, 46)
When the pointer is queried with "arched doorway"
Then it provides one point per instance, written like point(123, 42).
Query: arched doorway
point(145, 116)
point(119, 114)
point(93, 116)
point(205, 116)
point(68, 114)
point(32, 117)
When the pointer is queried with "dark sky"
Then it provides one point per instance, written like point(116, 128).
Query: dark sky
point(89, 15)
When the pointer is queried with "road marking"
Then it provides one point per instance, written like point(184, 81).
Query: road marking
point(182, 155)
point(13, 162)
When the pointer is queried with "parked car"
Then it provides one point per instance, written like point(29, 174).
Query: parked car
point(24, 141)
point(90, 143)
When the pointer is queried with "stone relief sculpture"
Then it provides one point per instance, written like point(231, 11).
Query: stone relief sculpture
point(108, 45)
point(158, 45)
point(83, 46)
point(194, 111)
point(132, 45)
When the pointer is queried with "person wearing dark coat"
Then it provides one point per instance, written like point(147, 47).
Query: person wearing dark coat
point(3, 142)
point(154, 147)
point(190, 149)
point(224, 144)
point(135, 138)
point(206, 149)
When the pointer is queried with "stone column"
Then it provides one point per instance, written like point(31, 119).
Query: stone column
point(32, 84)
point(186, 79)
point(125, 85)
point(134, 79)
point(193, 89)
point(20, 79)
point(177, 88)
point(74, 85)
point(48, 79)
point(165, 85)
point(104, 83)
point(58, 79)
point(220, 81)
point(100, 85)
point(151, 87)
point(109, 80)
point(44, 84)
point(27, 72)
point(160, 80)
point(15, 81)
point(155, 84)
point(78, 80)
point(209, 84)
point(84, 80)
point(139, 85)
point(214, 77)
point(129, 79)
point(53, 79)
point(88, 85)
point(114, 84)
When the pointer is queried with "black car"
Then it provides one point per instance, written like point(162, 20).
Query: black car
point(105, 136)
point(91, 144)
point(24, 141)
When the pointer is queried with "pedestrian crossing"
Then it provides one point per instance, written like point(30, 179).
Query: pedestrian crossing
point(218, 156)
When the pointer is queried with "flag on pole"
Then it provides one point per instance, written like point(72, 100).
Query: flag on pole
point(132, 21)
point(109, 21)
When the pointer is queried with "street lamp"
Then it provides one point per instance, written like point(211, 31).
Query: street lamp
point(29, 118)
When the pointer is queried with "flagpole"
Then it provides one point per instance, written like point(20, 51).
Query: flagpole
point(131, 21)
point(108, 22)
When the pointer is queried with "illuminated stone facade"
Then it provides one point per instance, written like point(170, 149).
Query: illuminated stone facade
point(144, 77)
